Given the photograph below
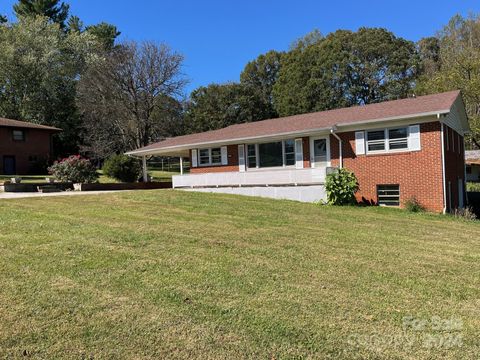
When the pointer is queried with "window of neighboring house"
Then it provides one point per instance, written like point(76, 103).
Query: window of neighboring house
point(274, 154)
point(388, 195)
point(468, 169)
point(18, 135)
point(387, 140)
point(212, 156)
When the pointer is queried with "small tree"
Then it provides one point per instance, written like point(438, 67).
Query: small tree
point(341, 186)
point(123, 168)
point(74, 169)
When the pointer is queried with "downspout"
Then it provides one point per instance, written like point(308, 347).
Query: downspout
point(340, 146)
point(443, 170)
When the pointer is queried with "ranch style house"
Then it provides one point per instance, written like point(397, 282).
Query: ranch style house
point(399, 150)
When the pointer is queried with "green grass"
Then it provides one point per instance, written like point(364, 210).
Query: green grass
point(171, 274)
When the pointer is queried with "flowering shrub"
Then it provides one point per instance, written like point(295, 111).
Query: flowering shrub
point(74, 169)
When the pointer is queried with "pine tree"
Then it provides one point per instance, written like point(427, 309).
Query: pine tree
point(57, 12)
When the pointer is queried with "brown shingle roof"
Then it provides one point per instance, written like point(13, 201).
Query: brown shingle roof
point(24, 124)
point(316, 121)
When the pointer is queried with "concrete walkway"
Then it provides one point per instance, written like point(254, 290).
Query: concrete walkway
point(19, 195)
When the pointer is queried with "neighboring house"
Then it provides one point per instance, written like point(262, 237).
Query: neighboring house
point(397, 149)
point(472, 162)
point(24, 147)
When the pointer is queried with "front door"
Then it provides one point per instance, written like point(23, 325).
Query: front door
point(9, 166)
point(319, 152)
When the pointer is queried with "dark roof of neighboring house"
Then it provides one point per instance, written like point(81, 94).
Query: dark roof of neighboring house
point(389, 110)
point(24, 124)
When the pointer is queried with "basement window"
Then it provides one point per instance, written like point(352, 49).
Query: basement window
point(388, 195)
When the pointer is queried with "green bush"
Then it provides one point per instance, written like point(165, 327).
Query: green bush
point(74, 169)
point(413, 205)
point(473, 186)
point(341, 186)
point(122, 168)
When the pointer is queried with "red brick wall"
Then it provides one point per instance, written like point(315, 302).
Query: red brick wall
point(37, 143)
point(454, 165)
point(419, 173)
point(232, 155)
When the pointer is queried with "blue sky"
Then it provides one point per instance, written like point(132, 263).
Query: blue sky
point(218, 37)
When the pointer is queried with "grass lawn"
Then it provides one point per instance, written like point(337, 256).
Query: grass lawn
point(155, 274)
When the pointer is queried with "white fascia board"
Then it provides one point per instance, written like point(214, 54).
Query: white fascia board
point(422, 117)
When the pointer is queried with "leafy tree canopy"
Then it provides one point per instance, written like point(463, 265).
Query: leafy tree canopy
point(456, 59)
point(345, 68)
point(261, 74)
point(39, 68)
point(216, 106)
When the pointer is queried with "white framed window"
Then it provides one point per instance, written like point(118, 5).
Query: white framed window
point(210, 156)
point(271, 154)
point(385, 140)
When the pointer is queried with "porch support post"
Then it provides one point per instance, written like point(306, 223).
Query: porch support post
point(181, 165)
point(144, 168)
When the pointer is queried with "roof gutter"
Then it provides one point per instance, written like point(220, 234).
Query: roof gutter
point(340, 146)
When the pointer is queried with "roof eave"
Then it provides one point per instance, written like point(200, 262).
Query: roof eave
point(337, 127)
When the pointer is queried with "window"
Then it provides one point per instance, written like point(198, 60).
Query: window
point(376, 140)
point(387, 139)
point(468, 169)
point(33, 158)
point(397, 139)
point(204, 155)
point(18, 135)
point(252, 156)
point(270, 154)
point(210, 156)
point(274, 154)
point(289, 152)
point(216, 156)
point(388, 195)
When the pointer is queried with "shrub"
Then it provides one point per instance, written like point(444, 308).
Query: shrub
point(74, 169)
point(341, 186)
point(473, 187)
point(413, 205)
point(123, 168)
point(466, 213)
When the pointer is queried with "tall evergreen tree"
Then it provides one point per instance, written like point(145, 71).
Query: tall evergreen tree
point(105, 34)
point(3, 19)
point(55, 10)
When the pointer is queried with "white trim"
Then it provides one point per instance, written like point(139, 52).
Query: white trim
point(312, 155)
point(210, 163)
point(241, 158)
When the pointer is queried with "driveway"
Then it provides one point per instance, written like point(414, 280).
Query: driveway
point(12, 195)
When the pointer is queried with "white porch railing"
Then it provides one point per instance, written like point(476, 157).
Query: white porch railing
point(251, 178)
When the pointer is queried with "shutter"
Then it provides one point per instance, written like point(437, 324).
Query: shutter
point(194, 158)
point(299, 153)
point(241, 158)
point(360, 142)
point(414, 137)
point(223, 150)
